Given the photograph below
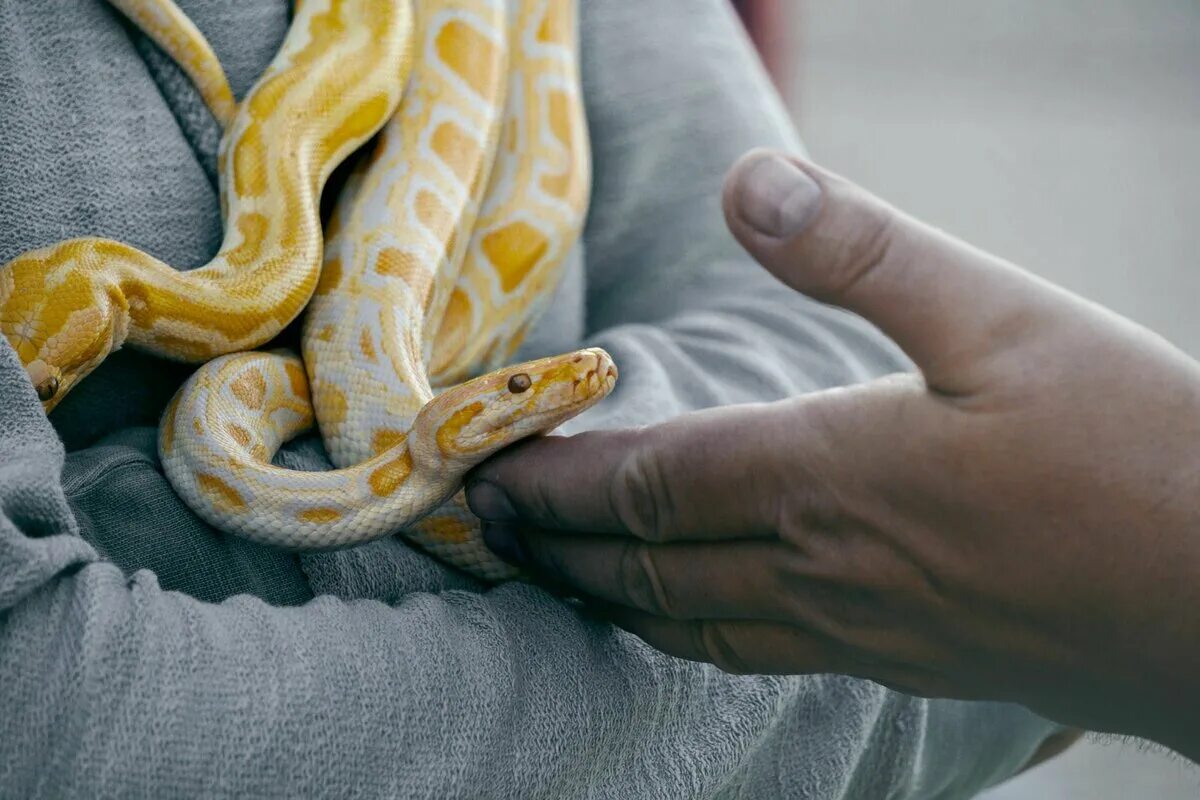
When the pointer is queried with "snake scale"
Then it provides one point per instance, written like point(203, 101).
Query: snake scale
point(443, 246)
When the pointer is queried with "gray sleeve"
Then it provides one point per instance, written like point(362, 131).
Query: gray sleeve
point(674, 97)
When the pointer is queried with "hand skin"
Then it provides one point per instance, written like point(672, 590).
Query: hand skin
point(1020, 521)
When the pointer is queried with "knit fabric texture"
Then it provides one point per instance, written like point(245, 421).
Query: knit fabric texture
point(143, 654)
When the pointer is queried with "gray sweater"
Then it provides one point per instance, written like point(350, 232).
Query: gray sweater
point(144, 654)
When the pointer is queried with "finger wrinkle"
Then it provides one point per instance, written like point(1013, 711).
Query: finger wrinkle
point(489, 502)
point(713, 641)
point(545, 558)
point(636, 492)
point(876, 248)
point(642, 581)
point(545, 510)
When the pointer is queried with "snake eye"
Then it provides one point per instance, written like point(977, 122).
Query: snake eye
point(519, 383)
point(47, 388)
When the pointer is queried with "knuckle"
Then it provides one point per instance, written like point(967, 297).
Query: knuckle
point(710, 638)
point(640, 494)
point(642, 582)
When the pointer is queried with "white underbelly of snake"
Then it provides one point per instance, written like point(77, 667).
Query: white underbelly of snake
point(443, 246)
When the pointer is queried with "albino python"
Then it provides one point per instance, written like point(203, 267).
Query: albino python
point(337, 79)
point(443, 246)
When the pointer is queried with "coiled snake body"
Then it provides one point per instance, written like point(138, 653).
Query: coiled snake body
point(443, 246)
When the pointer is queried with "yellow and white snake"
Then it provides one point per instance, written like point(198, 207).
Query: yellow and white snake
point(443, 246)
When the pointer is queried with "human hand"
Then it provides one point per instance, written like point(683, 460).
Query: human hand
point(1020, 521)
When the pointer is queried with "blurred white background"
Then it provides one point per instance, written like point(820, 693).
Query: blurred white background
point(1061, 134)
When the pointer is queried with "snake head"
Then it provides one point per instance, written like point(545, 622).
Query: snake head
point(466, 424)
point(61, 317)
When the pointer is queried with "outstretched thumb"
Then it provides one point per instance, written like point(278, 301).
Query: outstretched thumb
point(944, 302)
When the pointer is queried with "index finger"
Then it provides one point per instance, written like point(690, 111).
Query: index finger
point(711, 474)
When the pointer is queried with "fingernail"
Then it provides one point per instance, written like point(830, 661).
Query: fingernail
point(777, 198)
point(488, 501)
point(502, 539)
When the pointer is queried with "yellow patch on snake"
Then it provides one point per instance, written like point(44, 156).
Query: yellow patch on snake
point(447, 435)
point(293, 237)
point(447, 529)
point(401, 264)
point(451, 246)
point(249, 164)
point(555, 28)
point(514, 250)
point(319, 515)
point(386, 438)
point(559, 108)
point(297, 380)
point(250, 388)
point(366, 346)
point(240, 434)
point(452, 335)
point(271, 92)
point(90, 319)
point(149, 303)
point(469, 53)
point(367, 117)
point(331, 274)
point(333, 410)
point(254, 228)
point(222, 494)
point(433, 214)
point(104, 248)
point(167, 430)
point(457, 149)
point(324, 28)
point(391, 476)
point(512, 135)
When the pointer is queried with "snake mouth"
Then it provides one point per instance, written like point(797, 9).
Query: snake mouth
point(598, 381)
point(610, 376)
